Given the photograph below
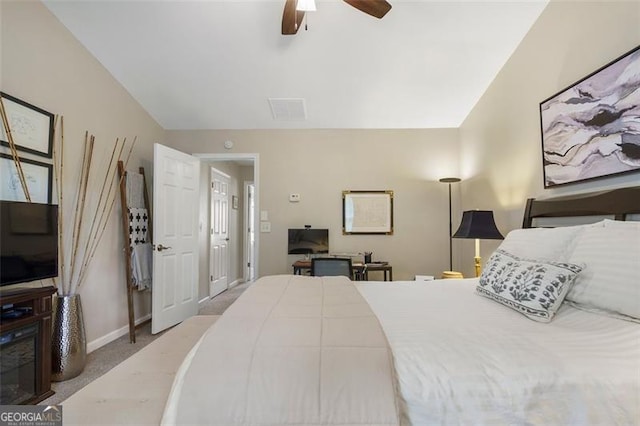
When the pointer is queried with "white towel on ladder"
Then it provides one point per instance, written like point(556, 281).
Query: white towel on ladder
point(141, 265)
point(135, 190)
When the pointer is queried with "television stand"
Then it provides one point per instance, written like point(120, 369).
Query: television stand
point(25, 345)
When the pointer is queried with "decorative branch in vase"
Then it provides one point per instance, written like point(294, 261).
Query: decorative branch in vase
point(78, 247)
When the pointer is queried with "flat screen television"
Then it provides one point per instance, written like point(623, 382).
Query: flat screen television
point(308, 241)
point(28, 242)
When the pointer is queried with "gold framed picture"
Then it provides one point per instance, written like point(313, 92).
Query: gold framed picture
point(367, 212)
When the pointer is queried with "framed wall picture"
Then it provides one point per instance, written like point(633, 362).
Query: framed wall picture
point(31, 127)
point(367, 212)
point(38, 176)
point(591, 129)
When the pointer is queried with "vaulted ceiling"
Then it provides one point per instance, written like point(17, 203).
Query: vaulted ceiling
point(216, 64)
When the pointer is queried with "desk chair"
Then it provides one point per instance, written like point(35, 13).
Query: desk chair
point(331, 266)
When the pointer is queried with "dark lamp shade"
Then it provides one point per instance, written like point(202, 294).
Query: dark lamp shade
point(478, 224)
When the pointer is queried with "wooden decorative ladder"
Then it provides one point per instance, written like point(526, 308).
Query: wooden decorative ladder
point(122, 175)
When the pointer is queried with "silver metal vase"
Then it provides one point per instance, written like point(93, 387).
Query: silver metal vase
point(68, 339)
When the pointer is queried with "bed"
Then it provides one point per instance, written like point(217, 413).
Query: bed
point(549, 334)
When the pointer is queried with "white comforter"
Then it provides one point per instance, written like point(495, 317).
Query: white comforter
point(464, 359)
point(460, 359)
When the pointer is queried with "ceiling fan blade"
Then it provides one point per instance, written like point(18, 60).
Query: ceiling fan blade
point(291, 19)
point(375, 8)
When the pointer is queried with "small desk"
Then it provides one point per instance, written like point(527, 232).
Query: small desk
point(361, 270)
point(386, 269)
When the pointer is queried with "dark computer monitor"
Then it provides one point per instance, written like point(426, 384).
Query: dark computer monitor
point(308, 241)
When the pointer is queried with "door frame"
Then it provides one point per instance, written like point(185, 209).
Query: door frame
point(245, 233)
point(206, 157)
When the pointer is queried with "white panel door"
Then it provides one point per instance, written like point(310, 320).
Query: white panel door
point(175, 236)
point(219, 250)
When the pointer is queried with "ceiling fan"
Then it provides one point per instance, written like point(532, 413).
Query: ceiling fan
point(292, 18)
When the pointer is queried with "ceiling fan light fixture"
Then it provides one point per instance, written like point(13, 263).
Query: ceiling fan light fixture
point(306, 5)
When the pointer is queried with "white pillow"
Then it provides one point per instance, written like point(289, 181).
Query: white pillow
point(611, 280)
point(531, 287)
point(544, 243)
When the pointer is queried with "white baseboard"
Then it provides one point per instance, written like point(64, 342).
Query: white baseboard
point(110, 337)
point(236, 282)
point(203, 301)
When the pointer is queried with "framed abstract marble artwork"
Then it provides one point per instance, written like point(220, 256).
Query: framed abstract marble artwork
point(592, 128)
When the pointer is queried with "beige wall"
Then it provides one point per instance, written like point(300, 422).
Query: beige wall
point(44, 65)
point(320, 164)
point(501, 160)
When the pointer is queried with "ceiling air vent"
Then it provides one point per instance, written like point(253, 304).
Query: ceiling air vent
point(288, 109)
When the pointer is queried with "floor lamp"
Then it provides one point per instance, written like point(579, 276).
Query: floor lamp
point(449, 181)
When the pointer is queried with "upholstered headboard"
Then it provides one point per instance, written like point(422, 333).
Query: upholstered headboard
point(616, 202)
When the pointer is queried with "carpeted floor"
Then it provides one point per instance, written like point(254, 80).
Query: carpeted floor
point(221, 302)
point(105, 358)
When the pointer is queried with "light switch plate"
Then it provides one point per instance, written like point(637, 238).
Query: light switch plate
point(264, 215)
point(265, 226)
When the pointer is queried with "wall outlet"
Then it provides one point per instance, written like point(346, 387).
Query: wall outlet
point(265, 226)
point(294, 198)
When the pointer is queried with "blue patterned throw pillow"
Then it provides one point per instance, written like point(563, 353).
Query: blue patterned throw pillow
point(531, 287)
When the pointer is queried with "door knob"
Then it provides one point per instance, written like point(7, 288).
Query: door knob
point(160, 247)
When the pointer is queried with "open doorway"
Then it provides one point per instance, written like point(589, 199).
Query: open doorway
point(243, 170)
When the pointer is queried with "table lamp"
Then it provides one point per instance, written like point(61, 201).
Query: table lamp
point(478, 224)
